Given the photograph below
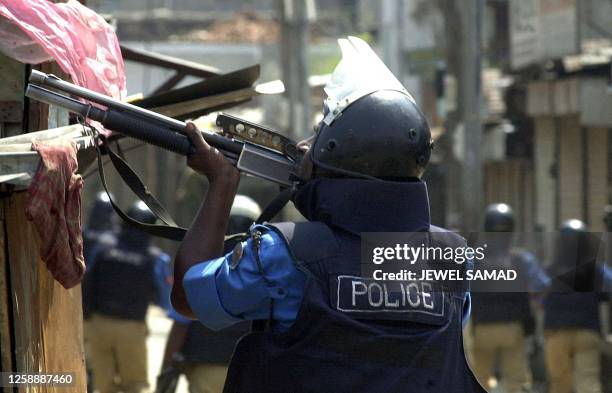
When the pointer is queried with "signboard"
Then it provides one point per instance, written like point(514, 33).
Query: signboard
point(542, 30)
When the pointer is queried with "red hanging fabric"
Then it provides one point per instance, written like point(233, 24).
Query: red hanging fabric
point(77, 38)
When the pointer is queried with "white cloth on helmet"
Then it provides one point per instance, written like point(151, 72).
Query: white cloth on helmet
point(360, 72)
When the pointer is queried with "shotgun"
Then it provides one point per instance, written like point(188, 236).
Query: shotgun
point(254, 149)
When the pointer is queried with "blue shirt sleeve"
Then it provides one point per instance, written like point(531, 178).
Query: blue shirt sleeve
point(467, 309)
point(606, 273)
point(163, 280)
point(178, 318)
point(467, 303)
point(90, 258)
point(103, 241)
point(538, 280)
point(220, 295)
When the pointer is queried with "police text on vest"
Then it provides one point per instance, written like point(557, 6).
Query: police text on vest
point(366, 295)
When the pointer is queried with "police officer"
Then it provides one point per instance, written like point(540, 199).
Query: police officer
point(321, 325)
point(98, 230)
point(99, 222)
point(98, 226)
point(203, 355)
point(126, 274)
point(501, 320)
point(572, 322)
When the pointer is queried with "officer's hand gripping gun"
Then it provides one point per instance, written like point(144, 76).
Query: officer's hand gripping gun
point(253, 149)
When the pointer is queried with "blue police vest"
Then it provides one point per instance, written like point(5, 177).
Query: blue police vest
point(203, 345)
point(502, 306)
point(123, 281)
point(91, 238)
point(353, 334)
point(573, 301)
point(572, 311)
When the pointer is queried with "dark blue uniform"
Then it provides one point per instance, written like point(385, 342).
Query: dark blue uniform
point(93, 239)
point(125, 274)
point(511, 305)
point(571, 323)
point(566, 309)
point(580, 281)
point(324, 322)
point(501, 314)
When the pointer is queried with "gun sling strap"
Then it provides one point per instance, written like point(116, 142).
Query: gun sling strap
point(169, 229)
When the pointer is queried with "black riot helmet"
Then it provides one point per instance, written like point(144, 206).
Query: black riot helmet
point(372, 127)
point(139, 211)
point(499, 217)
point(133, 236)
point(608, 217)
point(575, 258)
point(101, 213)
point(573, 226)
point(382, 135)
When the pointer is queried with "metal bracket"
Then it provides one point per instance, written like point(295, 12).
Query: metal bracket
point(266, 164)
point(257, 134)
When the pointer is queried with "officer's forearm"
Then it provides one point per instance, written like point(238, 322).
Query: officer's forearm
point(204, 240)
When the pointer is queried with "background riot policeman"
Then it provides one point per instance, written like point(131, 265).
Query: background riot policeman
point(501, 320)
point(572, 320)
point(125, 274)
point(98, 226)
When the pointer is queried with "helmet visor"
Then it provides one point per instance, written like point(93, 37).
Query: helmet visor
point(359, 73)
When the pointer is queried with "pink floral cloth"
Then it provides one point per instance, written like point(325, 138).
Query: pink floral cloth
point(77, 38)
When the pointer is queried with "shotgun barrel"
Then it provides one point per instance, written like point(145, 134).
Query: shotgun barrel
point(255, 159)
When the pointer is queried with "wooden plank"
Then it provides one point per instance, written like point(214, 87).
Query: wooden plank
point(544, 159)
point(72, 131)
point(48, 329)
point(236, 80)
point(23, 266)
point(11, 96)
point(170, 83)
point(11, 111)
point(571, 169)
point(595, 102)
point(18, 162)
point(210, 102)
point(46, 318)
point(6, 348)
point(13, 75)
point(164, 61)
point(528, 186)
point(597, 189)
point(538, 98)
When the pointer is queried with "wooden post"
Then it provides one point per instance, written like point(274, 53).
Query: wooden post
point(41, 327)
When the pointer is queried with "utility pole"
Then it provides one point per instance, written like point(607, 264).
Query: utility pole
point(471, 97)
point(390, 30)
point(295, 16)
